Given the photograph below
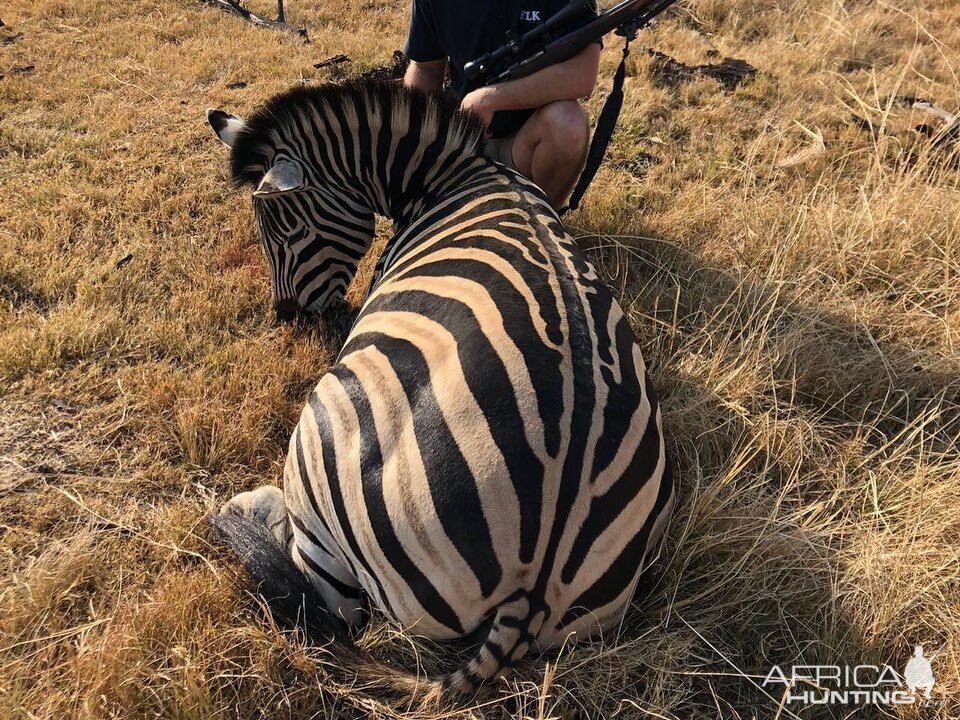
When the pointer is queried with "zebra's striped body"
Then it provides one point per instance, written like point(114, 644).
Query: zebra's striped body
point(487, 449)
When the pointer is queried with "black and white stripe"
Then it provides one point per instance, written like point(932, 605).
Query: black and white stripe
point(487, 450)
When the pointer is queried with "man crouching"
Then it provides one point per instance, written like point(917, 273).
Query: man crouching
point(540, 127)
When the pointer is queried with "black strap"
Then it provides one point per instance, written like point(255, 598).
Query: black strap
point(606, 124)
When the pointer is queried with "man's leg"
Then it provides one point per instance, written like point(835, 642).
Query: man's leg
point(551, 148)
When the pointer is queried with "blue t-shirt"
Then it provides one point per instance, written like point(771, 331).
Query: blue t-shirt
point(463, 30)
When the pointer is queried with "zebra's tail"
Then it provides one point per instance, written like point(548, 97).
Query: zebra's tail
point(507, 641)
point(296, 604)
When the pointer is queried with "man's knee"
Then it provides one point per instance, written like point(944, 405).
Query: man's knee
point(566, 125)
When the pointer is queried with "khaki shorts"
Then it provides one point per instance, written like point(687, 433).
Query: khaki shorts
point(501, 150)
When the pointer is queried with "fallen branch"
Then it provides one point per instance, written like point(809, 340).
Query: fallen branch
point(949, 134)
point(948, 137)
point(936, 111)
point(393, 71)
point(331, 61)
point(944, 139)
point(927, 106)
point(235, 8)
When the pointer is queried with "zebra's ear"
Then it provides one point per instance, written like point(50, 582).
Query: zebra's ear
point(285, 176)
point(225, 125)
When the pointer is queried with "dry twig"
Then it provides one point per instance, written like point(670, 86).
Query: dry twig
point(235, 8)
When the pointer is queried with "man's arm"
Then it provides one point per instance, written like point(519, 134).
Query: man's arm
point(428, 60)
point(426, 76)
point(568, 80)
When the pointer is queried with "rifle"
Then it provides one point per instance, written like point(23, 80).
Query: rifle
point(548, 44)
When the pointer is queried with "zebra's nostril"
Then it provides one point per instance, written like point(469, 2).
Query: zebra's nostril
point(287, 310)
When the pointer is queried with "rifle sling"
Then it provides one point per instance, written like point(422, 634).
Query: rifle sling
point(606, 124)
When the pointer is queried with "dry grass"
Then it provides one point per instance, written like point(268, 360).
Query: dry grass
point(803, 323)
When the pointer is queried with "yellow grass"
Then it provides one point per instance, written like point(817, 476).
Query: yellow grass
point(802, 322)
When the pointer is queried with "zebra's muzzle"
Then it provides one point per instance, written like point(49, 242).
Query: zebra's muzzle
point(288, 311)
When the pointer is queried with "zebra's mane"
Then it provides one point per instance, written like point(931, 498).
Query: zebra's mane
point(401, 107)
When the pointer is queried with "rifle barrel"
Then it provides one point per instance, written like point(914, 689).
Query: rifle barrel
point(565, 47)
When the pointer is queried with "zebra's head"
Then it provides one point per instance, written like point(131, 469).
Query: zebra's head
point(314, 231)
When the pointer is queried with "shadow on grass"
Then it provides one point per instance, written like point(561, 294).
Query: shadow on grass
point(779, 415)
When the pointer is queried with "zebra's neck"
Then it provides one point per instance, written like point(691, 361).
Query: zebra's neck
point(418, 176)
point(407, 150)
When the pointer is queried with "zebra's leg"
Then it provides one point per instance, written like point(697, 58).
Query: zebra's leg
point(320, 559)
point(256, 526)
point(266, 505)
point(314, 549)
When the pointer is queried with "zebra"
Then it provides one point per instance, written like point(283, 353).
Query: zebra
point(486, 456)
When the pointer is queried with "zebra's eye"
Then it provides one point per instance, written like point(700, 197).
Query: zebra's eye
point(288, 239)
point(275, 230)
point(297, 237)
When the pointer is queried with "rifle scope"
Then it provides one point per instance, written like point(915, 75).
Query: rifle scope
point(567, 14)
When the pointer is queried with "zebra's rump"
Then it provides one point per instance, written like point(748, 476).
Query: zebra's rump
point(488, 430)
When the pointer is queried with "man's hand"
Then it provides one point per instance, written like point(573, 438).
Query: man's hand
point(480, 103)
